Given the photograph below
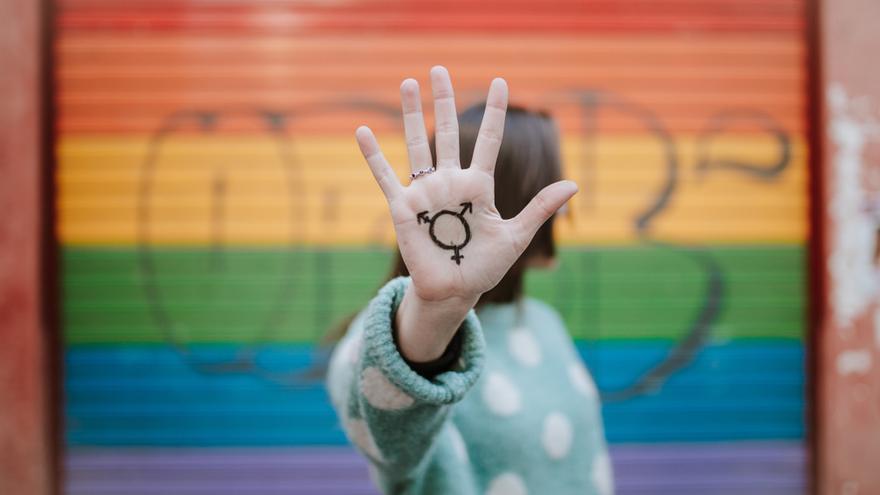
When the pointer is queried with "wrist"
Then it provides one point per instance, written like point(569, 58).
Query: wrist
point(447, 305)
point(425, 327)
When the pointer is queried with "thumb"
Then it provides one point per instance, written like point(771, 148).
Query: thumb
point(540, 209)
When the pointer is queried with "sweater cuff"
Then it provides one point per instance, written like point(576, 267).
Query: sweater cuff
point(430, 369)
point(381, 351)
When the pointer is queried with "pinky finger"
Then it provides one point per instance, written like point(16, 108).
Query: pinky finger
point(539, 210)
point(382, 171)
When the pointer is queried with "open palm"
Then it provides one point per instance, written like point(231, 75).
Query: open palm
point(451, 237)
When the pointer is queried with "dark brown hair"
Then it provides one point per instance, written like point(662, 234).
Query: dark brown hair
point(529, 160)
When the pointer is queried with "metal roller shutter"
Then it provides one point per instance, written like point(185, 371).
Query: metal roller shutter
point(216, 219)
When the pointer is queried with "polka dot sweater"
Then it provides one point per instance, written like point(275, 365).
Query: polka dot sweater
point(516, 414)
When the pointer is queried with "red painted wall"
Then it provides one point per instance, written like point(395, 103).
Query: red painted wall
point(24, 458)
point(849, 379)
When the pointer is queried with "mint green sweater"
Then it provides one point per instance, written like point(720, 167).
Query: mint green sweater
point(517, 414)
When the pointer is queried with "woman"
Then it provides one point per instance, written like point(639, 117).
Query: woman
point(443, 399)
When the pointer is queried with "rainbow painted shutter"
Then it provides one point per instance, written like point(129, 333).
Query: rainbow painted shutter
point(216, 219)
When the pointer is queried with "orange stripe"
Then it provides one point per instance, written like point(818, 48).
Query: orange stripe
point(410, 49)
point(130, 83)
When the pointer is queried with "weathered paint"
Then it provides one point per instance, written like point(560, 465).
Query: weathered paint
point(849, 375)
point(24, 459)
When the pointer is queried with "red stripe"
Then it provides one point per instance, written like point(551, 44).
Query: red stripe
point(556, 16)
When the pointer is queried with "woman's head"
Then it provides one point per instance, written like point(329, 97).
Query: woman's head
point(529, 160)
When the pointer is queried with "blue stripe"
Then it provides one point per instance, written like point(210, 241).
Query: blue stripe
point(154, 395)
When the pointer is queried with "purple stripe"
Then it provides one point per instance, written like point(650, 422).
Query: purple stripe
point(198, 458)
point(720, 468)
point(756, 468)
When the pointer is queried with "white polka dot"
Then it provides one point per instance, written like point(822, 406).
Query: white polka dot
point(337, 393)
point(349, 349)
point(603, 478)
point(581, 381)
point(381, 393)
point(557, 435)
point(458, 444)
point(374, 474)
point(354, 350)
point(524, 347)
point(500, 395)
point(359, 434)
point(507, 484)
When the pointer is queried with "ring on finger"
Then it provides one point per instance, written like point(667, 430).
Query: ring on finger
point(418, 173)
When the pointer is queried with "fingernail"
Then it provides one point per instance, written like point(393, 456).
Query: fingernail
point(409, 82)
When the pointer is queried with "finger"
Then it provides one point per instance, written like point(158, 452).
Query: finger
point(382, 171)
point(414, 126)
point(445, 119)
point(492, 128)
point(539, 210)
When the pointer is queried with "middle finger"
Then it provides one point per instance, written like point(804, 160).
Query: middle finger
point(445, 119)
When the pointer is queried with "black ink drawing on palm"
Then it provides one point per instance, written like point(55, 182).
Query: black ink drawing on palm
point(455, 243)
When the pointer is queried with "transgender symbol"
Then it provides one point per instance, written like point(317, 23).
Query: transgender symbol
point(454, 245)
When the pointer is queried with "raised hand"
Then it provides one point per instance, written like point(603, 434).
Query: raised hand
point(451, 237)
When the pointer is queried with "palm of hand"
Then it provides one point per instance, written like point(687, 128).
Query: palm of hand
point(459, 245)
point(450, 235)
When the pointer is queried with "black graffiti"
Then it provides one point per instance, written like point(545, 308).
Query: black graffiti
point(592, 103)
point(277, 125)
point(695, 337)
point(454, 245)
point(718, 125)
point(206, 123)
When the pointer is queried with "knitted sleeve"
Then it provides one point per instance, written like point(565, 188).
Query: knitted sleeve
point(389, 411)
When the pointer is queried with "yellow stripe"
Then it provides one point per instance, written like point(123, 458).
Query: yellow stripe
point(326, 195)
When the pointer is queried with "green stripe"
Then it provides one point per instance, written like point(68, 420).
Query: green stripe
point(617, 293)
point(657, 293)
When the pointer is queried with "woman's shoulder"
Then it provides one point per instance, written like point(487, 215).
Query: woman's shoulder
point(546, 321)
point(539, 310)
point(527, 311)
